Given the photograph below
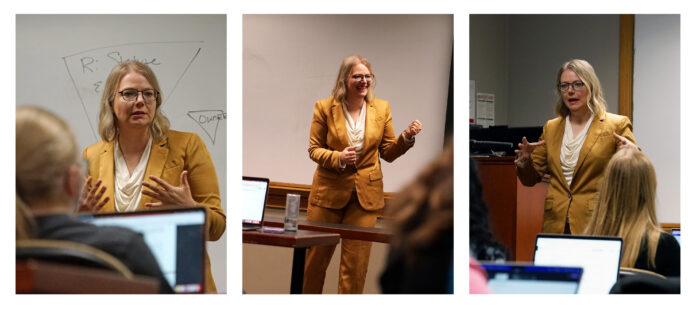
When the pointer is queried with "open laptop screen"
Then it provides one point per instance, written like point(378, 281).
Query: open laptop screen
point(176, 238)
point(676, 232)
point(532, 279)
point(254, 193)
point(599, 257)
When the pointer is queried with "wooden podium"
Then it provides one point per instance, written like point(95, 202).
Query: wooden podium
point(515, 211)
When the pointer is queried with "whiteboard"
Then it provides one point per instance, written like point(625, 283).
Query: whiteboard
point(291, 61)
point(63, 61)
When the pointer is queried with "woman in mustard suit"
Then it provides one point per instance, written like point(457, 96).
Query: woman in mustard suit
point(142, 164)
point(574, 149)
point(349, 134)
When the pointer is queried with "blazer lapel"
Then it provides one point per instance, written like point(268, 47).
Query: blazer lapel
point(554, 144)
point(340, 123)
point(155, 166)
point(592, 135)
point(106, 174)
point(370, 125)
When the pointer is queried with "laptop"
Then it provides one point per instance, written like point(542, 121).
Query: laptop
point(176, 237)
point(599, 257)
point(676, 232)
point(532, 279)
point(254, 195)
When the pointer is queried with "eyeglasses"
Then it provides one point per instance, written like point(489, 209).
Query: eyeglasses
point(358, 77)
point(577, 86)
point(130, 95)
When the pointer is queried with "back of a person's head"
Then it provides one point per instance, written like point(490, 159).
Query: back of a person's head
point(45, 150)
point(626, 206)
point(423, 210)
point(627, 193)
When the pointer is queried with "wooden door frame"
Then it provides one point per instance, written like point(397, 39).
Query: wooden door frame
point(626, 36)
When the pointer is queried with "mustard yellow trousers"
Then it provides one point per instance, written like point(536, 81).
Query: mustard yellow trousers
point(355, 254)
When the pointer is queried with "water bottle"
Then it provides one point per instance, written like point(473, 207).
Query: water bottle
point(292, 210)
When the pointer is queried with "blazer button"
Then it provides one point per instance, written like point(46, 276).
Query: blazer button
point(569, 195)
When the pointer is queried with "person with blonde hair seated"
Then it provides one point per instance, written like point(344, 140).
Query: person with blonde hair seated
point(49, 177)
point(626, 208)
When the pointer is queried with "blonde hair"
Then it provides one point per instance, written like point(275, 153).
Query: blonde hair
point(586, 73)
point(45, 151)
point(339, 91)
point(108, 125)
point(626, 205)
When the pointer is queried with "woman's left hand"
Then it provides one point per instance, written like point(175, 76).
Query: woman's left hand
point(413, 129)
point(624, 142)
point(168, 194)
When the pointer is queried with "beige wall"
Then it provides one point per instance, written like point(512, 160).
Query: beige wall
point(291, 61)
point(516, 58)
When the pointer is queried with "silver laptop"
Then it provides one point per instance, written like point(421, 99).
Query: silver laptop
point(254, 195)
point(598, 256)
point(176, 238)
point(514, 278)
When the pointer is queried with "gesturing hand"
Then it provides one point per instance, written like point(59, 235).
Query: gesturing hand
point(348, 156)
point(526, 149)
point(168, 194)
point(413, 129)
point(91, 200)
point(624, 142)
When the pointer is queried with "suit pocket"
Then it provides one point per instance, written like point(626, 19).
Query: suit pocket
point(548, 203)
point(592, 204)
point(375, 175)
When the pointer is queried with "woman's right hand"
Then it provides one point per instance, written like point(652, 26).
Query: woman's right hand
point(348, 156)
point(91, 200)
point(526, 149)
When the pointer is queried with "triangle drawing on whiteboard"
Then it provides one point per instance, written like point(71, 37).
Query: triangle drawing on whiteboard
point(88, 69)
point(208, 120)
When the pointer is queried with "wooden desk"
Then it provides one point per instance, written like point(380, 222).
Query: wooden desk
point(300, 241)
point(516, 212)
point(346, 231)
point(35, 276)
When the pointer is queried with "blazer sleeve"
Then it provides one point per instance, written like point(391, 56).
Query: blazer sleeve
point(531, 172)
point(319, 150)
point(392, 147)
point(625, 129)
point(204, 185)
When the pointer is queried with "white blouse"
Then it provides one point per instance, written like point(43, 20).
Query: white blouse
point(129, 186)
point(356, 130)
point(570, 148)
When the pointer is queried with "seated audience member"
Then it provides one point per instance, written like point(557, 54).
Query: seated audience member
point(478, 279)
point(420, 260)
point(49, 179)
point(626, 208)
point(482, 244)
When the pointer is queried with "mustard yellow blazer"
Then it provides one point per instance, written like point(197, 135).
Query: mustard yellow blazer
point(168, 159)
point(578, 200)
point(328, 136)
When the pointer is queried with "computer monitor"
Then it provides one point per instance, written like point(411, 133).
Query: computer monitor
point(532, 279)
point(599, 257)
point(176, 238)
